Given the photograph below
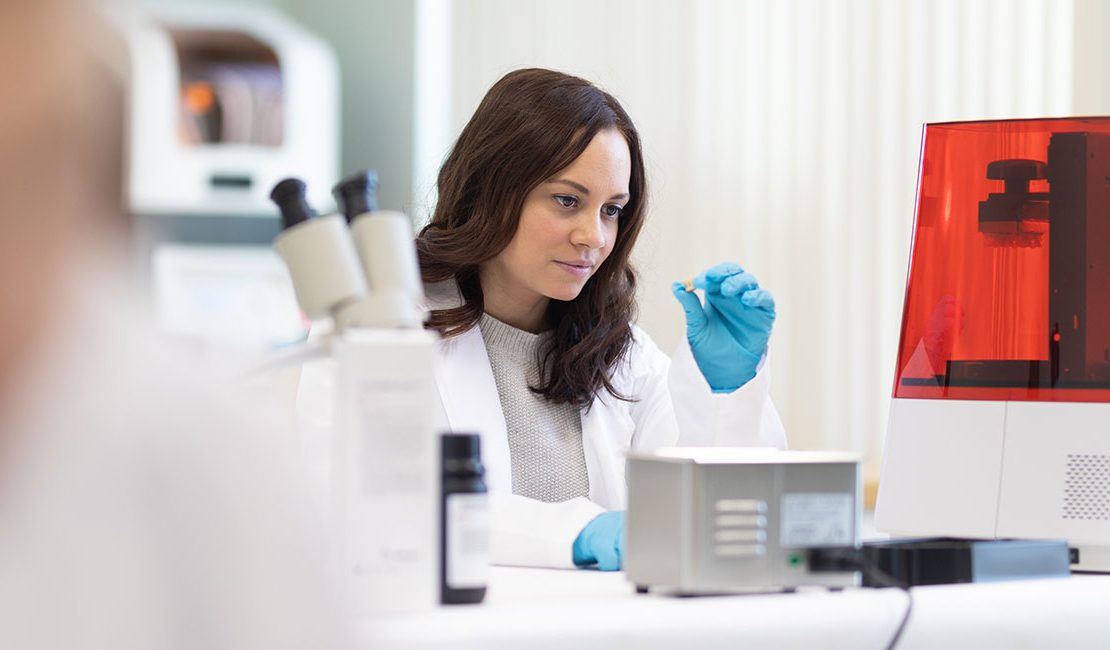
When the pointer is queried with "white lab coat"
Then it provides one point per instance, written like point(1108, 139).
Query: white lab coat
point(674, 406)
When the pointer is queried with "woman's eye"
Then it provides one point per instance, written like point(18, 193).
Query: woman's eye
point(613, 211)
point(566, 201)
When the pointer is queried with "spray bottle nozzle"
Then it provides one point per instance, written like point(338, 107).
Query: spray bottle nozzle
point(289, 195)
point(357, 194)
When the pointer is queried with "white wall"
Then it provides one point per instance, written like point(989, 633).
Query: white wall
point(785, 135)
point(373, 42)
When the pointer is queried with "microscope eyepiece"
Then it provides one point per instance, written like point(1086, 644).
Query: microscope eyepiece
point(357, 194)
point(289, 195)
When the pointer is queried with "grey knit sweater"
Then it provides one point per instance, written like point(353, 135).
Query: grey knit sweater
point(545, 439)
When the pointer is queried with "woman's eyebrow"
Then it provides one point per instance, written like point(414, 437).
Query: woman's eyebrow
point(583, 189)
point(578, 186)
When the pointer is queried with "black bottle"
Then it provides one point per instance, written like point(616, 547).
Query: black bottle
point(463, 521)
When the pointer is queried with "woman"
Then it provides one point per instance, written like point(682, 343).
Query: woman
point(526, 259)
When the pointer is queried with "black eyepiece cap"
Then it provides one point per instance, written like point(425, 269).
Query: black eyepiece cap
point(289, 195)
point(357, 194)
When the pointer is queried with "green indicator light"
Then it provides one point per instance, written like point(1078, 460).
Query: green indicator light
point(795, 559)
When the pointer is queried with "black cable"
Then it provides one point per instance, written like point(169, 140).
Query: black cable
point(886, 580)
point(852, 559)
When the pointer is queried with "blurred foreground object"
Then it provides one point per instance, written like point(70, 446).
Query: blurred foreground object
point(138, 508)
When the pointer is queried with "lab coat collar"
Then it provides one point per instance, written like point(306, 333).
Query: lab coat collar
point(468, 391)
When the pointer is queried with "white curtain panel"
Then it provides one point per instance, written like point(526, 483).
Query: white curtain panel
point(780, 134)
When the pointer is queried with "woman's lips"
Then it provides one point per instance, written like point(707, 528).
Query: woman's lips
point(577, 269)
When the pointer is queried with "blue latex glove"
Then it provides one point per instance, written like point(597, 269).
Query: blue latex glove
point(728, 336)
point(601, 542)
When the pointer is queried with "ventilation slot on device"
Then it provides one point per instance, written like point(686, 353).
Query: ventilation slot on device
point(1087, 487)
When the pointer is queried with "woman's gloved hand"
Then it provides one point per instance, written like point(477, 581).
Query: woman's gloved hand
point(601, 542)
point(728, 336)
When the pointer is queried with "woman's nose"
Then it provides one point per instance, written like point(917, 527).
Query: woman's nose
point(589, 232)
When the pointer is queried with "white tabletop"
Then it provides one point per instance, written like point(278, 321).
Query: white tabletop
point(538, 608)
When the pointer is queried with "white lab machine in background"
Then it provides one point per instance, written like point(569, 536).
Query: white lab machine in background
point(222, 101)
point(247, 286)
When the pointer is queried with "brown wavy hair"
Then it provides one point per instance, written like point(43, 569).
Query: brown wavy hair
point(531, 124)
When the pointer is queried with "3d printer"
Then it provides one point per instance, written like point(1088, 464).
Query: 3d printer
point(1000, 418)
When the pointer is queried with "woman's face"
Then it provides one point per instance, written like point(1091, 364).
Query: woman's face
point(567, 229)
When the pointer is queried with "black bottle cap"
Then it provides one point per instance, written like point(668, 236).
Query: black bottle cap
point(289, 195)
point(461, 446)
point(357, 194)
